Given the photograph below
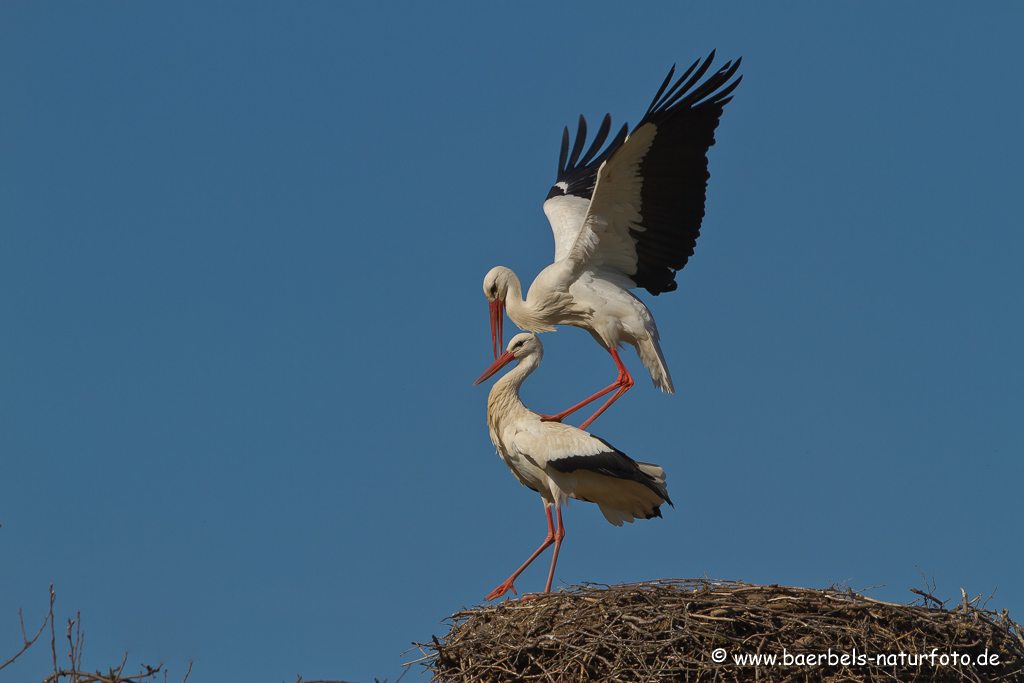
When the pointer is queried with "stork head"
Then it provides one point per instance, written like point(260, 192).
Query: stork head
point(496, 285)
point(523, 345)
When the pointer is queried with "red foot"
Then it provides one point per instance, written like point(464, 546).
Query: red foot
point(501, 590)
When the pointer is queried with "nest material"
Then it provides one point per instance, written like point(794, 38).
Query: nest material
point(670, 631)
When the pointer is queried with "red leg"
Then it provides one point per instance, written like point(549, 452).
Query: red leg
point(559, 535)
point(507, 586)
point(623, 383)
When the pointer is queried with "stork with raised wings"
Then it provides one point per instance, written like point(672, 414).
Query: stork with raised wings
point(626, 217)
point(561, 462)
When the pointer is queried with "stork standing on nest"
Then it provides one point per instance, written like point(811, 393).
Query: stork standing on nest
point(627, 217)
point(561, 462)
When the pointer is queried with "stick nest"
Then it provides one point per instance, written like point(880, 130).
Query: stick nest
point(668, 631)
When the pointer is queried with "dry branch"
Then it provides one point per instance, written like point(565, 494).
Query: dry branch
point(26, 641)
point(76, 640)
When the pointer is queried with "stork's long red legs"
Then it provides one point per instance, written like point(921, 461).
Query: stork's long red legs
point(623, 383)
point(554, 536)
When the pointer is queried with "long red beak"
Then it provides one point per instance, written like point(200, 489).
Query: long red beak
point(497, 320)
point(505, 359)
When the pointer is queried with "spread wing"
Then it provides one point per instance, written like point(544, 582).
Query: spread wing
point(647, 198)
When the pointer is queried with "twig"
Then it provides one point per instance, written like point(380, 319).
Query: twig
point(27, 643)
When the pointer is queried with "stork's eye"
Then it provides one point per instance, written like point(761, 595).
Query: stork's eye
point(494, 290)
point(517, 345)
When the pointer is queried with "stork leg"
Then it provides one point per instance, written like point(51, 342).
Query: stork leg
point(553, 537)
point(559, 535)
point(623, 383)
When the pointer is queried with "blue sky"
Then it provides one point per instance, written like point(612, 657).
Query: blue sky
point(241, 250)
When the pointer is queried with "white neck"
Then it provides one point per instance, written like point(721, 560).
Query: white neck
point(503, 403)
point(526, 313)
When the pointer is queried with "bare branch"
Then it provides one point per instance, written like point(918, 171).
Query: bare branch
point(27, 642)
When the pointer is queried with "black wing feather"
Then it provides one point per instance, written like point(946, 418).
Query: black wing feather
point(580, 175)
point(602, 135)
point(581, 139)
point(678, 90)
point(675, 171)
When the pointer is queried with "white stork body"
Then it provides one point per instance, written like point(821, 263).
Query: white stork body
point(561, 462)
point(625, 218)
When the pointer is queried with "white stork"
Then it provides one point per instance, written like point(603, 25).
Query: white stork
point(627, 217)
point(561, 462)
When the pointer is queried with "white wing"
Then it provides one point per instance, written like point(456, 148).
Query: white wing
point(604, 240)
point(546, 442)
point(585, 467)
point(566, 214)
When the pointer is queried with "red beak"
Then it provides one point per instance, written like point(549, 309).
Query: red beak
point(497, 320)
point(505, 359)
